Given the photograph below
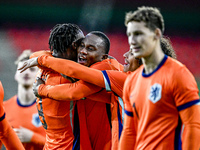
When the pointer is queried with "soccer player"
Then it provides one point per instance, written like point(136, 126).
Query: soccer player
point(56, 116)
point(21, 109)
point(161, 95)
point(7, 135)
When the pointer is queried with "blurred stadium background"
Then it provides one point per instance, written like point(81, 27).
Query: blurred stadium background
point(26, 24)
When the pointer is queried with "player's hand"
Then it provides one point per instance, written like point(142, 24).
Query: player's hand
point(36, 86)
point(24, 134)
point(28, 64)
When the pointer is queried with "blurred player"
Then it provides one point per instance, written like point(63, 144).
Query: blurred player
point(21, 109)
point(160, 95)
point(7, 135)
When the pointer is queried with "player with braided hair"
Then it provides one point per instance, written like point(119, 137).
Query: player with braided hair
point(56, 116)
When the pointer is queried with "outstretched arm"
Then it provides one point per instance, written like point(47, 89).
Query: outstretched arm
point(70, 91)
point(84, 73)
point(66, 67)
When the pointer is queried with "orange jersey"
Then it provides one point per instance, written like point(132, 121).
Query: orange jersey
point(157, 101)
point(92, 74)
point(95, 112)
point(26, 116)
point(56, 116)
point(7, 135)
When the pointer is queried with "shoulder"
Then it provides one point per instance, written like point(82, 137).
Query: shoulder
point(177, 69)
point(10, 101)
point(116, 64)
point(103, 65)
point(41, 52)
point(135, 74)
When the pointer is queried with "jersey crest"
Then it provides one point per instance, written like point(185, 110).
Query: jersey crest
point(36, 120)
point(155, 92)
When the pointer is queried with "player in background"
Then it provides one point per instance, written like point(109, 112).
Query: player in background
point(7, 135)
point(21, 109)
point(159, 96)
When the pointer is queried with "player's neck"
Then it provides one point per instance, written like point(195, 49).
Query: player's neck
point(152, 61)
point(25, 95)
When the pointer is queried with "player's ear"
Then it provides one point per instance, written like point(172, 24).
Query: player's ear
point(158, 33)
point(74, 45)
point(105, 56)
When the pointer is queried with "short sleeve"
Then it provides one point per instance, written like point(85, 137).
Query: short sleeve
point(185, 90)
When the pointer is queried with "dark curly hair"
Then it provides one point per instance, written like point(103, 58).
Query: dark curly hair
point(63, 35)
point(150, 15)
point(166, 47)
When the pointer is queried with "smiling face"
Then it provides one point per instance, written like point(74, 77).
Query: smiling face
point(91, 50)
point(131, 64)
point(141, 39)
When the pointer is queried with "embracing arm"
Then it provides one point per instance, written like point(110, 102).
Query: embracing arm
point(75, 70)
point(114, 78)
point(72, 69)
point(72, 91)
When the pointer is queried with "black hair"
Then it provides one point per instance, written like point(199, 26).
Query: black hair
point(104, 38)
point(62, 36)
